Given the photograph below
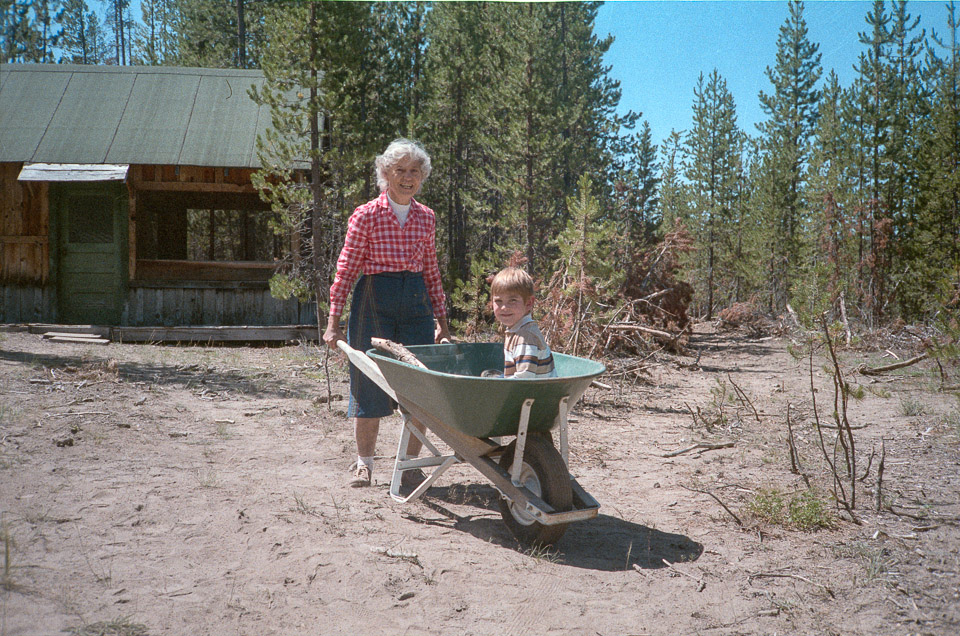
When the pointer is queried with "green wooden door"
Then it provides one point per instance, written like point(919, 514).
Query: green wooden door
point(92, 255)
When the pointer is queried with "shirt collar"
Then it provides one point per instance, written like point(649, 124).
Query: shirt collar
point(516, 327)
point(384, 202)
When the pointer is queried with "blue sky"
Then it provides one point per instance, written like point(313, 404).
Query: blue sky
point(661, 47)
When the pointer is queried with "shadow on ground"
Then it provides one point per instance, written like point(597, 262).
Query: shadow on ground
point(605, 543)
point(186, 376)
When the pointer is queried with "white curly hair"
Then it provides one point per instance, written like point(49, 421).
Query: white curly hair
point(398, 150)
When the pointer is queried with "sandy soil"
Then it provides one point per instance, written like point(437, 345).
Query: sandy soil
point(153, 490)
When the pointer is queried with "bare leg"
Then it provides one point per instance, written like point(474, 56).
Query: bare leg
point(365, 429)
point(414, 445)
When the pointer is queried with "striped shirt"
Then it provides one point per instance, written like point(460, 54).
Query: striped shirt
point(376, 243)
point(525, 352)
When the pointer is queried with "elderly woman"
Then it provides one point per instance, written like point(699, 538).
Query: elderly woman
point(390, 241)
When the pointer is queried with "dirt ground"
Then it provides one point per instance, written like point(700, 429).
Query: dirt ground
point(154, 490)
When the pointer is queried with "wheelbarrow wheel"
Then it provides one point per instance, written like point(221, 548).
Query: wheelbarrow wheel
point(544, 473)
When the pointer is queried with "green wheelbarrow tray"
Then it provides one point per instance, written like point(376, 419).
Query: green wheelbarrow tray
point(453, 391)
point(473, 415)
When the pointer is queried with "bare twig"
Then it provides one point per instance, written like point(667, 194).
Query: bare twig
point(76, 413)
point(839, 492)
point(326, 374)
point(845, 436)
point(743, 398)
point(866, 472)
point(700, 583)
point(879, 495)
point(794, 456)
point(843, 315)
point(707, 492)
point(791, 576)
point(704, 447)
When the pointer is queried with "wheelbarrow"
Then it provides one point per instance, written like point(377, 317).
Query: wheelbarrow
point(500, 426)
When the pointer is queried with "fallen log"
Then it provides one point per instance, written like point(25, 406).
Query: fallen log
point(863, 369)
point(666, 339)
point(664, 335)
point(397, 350)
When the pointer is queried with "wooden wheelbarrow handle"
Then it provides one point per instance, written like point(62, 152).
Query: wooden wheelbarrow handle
point(368, 367)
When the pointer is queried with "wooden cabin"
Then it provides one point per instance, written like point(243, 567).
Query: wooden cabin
point(125, 199)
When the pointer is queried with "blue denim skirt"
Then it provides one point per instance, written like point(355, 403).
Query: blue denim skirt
point(391, 305)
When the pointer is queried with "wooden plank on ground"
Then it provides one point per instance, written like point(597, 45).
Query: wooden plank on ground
point(76, 339)
point(215, 334)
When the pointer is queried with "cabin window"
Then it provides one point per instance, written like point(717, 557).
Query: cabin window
point(206, 235)
point(231, 235)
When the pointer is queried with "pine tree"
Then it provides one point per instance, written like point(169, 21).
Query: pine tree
point(714, 147)
point(46, 12)
point(673, 195)
point(20, 39)
point(467, 121)
point(220, 33)
point(830, 269)
point(579, 101)
point(792, 113)
point(117, 20)
point(580, 274)
point(910, 114)
point(874, 116)
point(96, 40)
point(155, 36)
point(73, 32)
point(329, 96)
point(935, 258)
point(637, 190)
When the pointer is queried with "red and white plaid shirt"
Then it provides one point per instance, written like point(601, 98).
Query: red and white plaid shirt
point(376, 243)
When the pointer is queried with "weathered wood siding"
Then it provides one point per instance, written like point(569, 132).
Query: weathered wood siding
point(25, 295)
point(196, 304)
point(26, 303)
point(24, 229)
point(160, 293)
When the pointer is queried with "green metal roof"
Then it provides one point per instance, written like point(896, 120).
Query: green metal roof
point(67, 113)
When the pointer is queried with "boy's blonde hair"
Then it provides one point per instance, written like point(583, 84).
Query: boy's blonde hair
point(513, 279)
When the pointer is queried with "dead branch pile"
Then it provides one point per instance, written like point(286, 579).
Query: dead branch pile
point(745, 315)
point(647, 312)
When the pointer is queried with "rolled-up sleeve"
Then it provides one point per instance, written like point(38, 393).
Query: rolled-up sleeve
point(431, 276)
point(350, 262)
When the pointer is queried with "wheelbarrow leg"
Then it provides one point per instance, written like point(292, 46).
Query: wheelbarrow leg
point(522, 427)
point(563, 411)
point(404, 462)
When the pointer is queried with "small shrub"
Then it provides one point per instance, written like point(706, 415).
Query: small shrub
point(911, 407)
point(879, 391)
point(768, 505)
point(122, 626)
point(876, 561)
point(952, 421)
point(855, 391)
point(804, 510)
point(809, 512)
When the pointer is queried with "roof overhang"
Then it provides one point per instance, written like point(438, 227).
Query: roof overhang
point(73, 172)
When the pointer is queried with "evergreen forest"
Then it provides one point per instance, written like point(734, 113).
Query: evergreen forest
point(844, 200)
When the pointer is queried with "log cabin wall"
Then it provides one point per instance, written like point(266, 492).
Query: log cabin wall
point(137, 214)
point(160, 291)
point(176, 291)
point(25, 291)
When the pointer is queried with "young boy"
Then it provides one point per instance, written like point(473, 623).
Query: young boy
point(525, 352)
